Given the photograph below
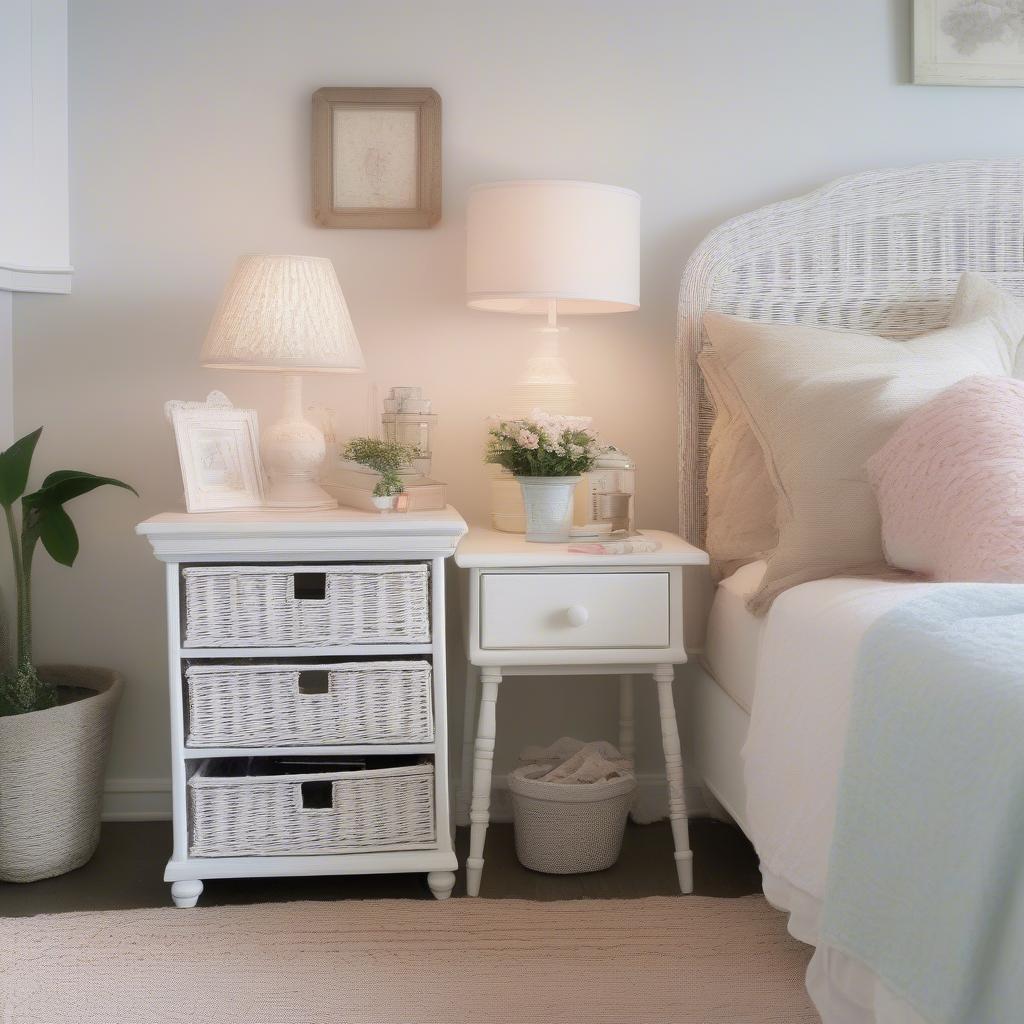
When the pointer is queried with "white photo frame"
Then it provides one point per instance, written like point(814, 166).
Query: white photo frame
point(962, 42)
point(218, 448)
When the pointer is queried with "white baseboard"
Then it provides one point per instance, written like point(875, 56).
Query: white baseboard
point(137, 800)
point(150, 799)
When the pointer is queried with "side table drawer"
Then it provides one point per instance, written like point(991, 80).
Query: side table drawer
point(260, 704)
point(306, 605)
point(574, 610)
point(260, 807)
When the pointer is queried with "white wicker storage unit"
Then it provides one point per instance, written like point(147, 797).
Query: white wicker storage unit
point(306, 657)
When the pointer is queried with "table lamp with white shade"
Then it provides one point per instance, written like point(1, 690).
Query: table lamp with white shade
point(550, 247)
point(286, 314)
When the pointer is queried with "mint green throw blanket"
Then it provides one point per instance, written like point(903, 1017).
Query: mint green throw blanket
point(926, 875)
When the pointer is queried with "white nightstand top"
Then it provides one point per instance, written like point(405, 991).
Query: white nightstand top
point(492, 549)
point(278, 522)
point(238, 536)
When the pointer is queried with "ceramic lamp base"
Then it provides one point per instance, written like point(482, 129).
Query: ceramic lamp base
point(293, 452)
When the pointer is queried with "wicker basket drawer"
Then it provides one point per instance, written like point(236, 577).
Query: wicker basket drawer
point(260, 808)
point(254, 705)
point(306, 605)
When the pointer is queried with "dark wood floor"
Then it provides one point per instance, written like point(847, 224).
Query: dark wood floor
point(127, 871)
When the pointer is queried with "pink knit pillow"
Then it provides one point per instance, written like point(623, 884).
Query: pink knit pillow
point(950, 484)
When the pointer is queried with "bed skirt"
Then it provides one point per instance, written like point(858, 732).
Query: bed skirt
point(842, 989)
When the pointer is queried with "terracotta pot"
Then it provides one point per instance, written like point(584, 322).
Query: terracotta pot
point(52, 765)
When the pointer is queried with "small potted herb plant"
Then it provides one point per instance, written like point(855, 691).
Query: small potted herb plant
point(55, 721)
point(385, 458)
point(547, 455)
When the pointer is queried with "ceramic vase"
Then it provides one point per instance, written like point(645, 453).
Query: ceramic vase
point(548, 502)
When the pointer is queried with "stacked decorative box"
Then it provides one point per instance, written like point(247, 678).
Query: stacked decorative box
point(406, 419)
point(307, 686)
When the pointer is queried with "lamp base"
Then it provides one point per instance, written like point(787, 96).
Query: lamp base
point(293, 451)
point(547, 383)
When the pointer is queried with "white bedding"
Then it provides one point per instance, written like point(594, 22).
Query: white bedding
point(798, 720)
point(792, 760)
point(733, 636)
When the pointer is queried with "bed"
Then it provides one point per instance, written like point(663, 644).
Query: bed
point(879, 252)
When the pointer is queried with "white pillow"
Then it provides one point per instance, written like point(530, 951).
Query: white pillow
point(741, 499)
point(977, 298)
point(821, 403)
point(741, 523)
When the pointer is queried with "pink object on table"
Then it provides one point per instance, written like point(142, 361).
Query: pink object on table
point(950, 484)
point(640, 546)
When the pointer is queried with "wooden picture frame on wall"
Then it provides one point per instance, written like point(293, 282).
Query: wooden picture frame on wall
point(962, 42)
point(376, 157)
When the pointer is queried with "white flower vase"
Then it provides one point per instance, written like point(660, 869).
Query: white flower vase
point(548, 502)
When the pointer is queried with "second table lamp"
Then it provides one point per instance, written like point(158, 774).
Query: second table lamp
point(286, 314)
point(550, 247)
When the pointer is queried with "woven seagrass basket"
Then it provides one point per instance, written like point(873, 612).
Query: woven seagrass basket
point(52, 765)
point(237, 812)
point(300, 605)
point(569, 828)
point(255, 704)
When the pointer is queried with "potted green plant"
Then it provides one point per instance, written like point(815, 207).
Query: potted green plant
point(385, 458)
point(55, 721)
point(547, 455)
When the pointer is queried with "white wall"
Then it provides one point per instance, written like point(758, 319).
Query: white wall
point(190, 144)
point(34, 223)
point(34, 145)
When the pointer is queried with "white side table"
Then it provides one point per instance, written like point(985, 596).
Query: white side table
point(304, 548)
point(539, 609)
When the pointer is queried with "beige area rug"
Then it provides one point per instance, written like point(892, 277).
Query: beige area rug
point(689, 960)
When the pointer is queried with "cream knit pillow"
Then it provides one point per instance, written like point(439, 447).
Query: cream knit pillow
point(820, 404)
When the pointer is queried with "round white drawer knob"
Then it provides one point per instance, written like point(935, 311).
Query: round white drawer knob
point(577, 615)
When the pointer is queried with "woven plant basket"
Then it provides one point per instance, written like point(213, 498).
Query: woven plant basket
point(52, 765)
point(569, 828)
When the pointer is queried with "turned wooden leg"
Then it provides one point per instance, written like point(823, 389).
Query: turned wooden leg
point(468, 735)
point(674, 774)
point(627, 735)
point(186, 893)
point(483, 765)
point(441, 883)
point(627, 740)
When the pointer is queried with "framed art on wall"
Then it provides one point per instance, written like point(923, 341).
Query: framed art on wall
point(376, 158)
point(218, 448)
point(968, 42)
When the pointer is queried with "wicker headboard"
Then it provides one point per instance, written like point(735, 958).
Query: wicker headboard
point(879, 252)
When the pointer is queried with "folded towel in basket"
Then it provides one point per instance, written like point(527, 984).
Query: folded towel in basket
point(573, 761)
